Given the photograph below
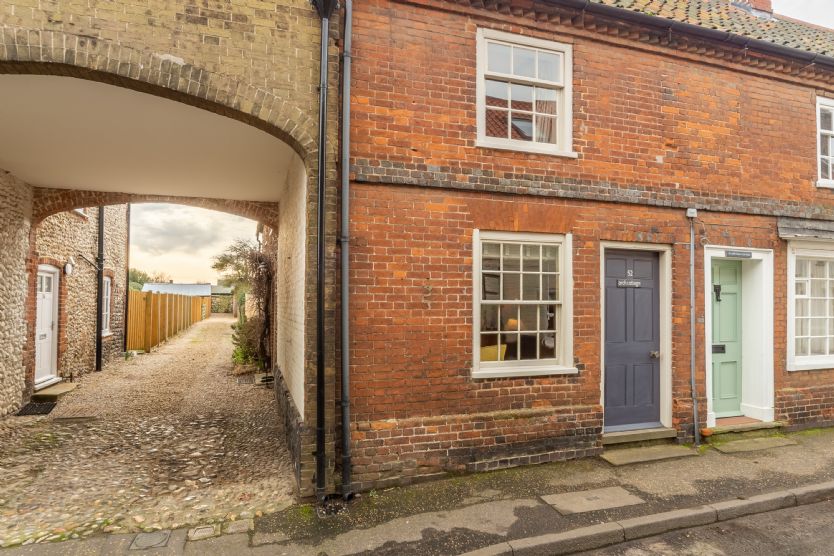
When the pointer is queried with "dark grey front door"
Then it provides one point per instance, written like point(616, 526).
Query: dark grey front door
point(632, 339)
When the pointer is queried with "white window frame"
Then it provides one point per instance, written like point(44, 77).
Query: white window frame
point(814, 250)
point(822, 102)
point(106, 300)
point(565, 110)
point(508, 369)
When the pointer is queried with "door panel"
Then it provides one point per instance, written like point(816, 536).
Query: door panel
point(632, 336)
point(726, 338)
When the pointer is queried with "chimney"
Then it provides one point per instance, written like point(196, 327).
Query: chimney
point(763, 5)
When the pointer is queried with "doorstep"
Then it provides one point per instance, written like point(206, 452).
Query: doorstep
point(639, 435)
point(54, 392)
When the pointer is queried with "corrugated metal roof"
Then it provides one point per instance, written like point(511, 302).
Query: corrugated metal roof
point(201, 290)
point(736, 16)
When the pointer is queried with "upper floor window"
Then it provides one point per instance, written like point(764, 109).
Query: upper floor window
point(825, 130)
point(523, 320)
point(524, 93)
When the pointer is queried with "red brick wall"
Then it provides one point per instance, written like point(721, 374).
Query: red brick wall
point(655, 130)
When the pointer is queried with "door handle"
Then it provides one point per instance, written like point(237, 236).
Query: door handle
point(654, 354)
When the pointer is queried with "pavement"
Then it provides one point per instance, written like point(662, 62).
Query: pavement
point(555, 508)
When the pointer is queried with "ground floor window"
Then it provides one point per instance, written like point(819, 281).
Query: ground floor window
point(811, 306)
point(522, 304)
point(106, 298)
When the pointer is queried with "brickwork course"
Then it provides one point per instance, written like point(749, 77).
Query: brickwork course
point(661, 122)
point(254, 61)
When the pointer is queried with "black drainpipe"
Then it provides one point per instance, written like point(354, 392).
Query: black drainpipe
point(100, 288)
point(344, 242)
point(325, 10)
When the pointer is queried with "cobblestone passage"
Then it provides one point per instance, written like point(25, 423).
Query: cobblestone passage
point(158, 441)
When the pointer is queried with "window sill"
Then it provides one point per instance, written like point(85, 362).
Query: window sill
point(818, 365)
point(106, 334)
point(521, 146)
point(825, 184)
point(521, 372)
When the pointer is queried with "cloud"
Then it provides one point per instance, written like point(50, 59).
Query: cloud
point(818, 12)
point(181, 240)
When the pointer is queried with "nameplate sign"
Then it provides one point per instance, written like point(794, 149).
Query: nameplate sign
point(738, 254)
point(629, 283)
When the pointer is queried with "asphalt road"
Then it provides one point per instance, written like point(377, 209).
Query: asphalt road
point(801, 531)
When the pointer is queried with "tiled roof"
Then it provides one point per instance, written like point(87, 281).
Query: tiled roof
point(736, 16)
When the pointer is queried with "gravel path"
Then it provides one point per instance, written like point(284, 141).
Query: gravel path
point(159, 441)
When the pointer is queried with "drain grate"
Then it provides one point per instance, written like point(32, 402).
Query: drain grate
point(37, 408)
point(246, 379)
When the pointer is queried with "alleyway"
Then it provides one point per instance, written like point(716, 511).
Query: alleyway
point(158, 441)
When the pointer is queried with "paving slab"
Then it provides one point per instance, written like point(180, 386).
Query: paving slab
point(628, 456)
point(221, 546)
point(754, 444)
point(157, 539)
point(592, 500)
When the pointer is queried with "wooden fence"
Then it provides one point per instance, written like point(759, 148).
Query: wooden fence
point(155, 317)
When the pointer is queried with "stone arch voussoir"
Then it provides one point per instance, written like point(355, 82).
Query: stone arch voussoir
point(48, 52)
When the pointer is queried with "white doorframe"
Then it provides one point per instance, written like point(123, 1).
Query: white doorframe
point(757, 380)
point(665, 267)
point(53, 377)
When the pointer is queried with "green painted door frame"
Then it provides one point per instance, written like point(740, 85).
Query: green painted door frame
point(726, 337)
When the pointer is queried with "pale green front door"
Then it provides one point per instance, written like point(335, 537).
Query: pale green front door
point(726, 338)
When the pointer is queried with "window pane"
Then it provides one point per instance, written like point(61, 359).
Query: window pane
point(802, 268)
point(491, 286)
point(818, 288)
point(803, 346)
point(529, 317)
point(532, 253)
point(550, 66)
point(497, 93)
point(47, 284)
point(550, 258)
point(801, 287)
point(825, 145)
point(511, 351)
point(818, 308)
point(817, 269)
point(530, 287)
point(803, 327)
point(522, 97)
point(511, 255)
point(825, 169)
point(524, 62)
point(498, 57)
point(496, 123)
point(509, 317)
point(547, 346)
point(818, 327)
point(521, 127)
point(802, 307)
point(818, 346)
point(529, 346)
point(491, 256)
point(550, 287)
point(489, 318)
point(490, 350)
point(550, 318)
point(826, 119)
point(511, 287)
point(546, 101)
point(546, 130)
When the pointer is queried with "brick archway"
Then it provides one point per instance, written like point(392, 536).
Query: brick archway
point(46, 202)
point(41, 52)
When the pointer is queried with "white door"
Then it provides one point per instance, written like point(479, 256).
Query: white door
point(46, 327)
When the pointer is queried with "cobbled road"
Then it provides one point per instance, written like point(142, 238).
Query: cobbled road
point(161, 440)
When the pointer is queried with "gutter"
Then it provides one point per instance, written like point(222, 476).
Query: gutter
point(725, 37)
point(100, 287)
point(325, 10)
point(344, 242)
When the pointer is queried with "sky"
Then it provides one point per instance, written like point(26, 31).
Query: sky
point(182, 241)
point(819, 12)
